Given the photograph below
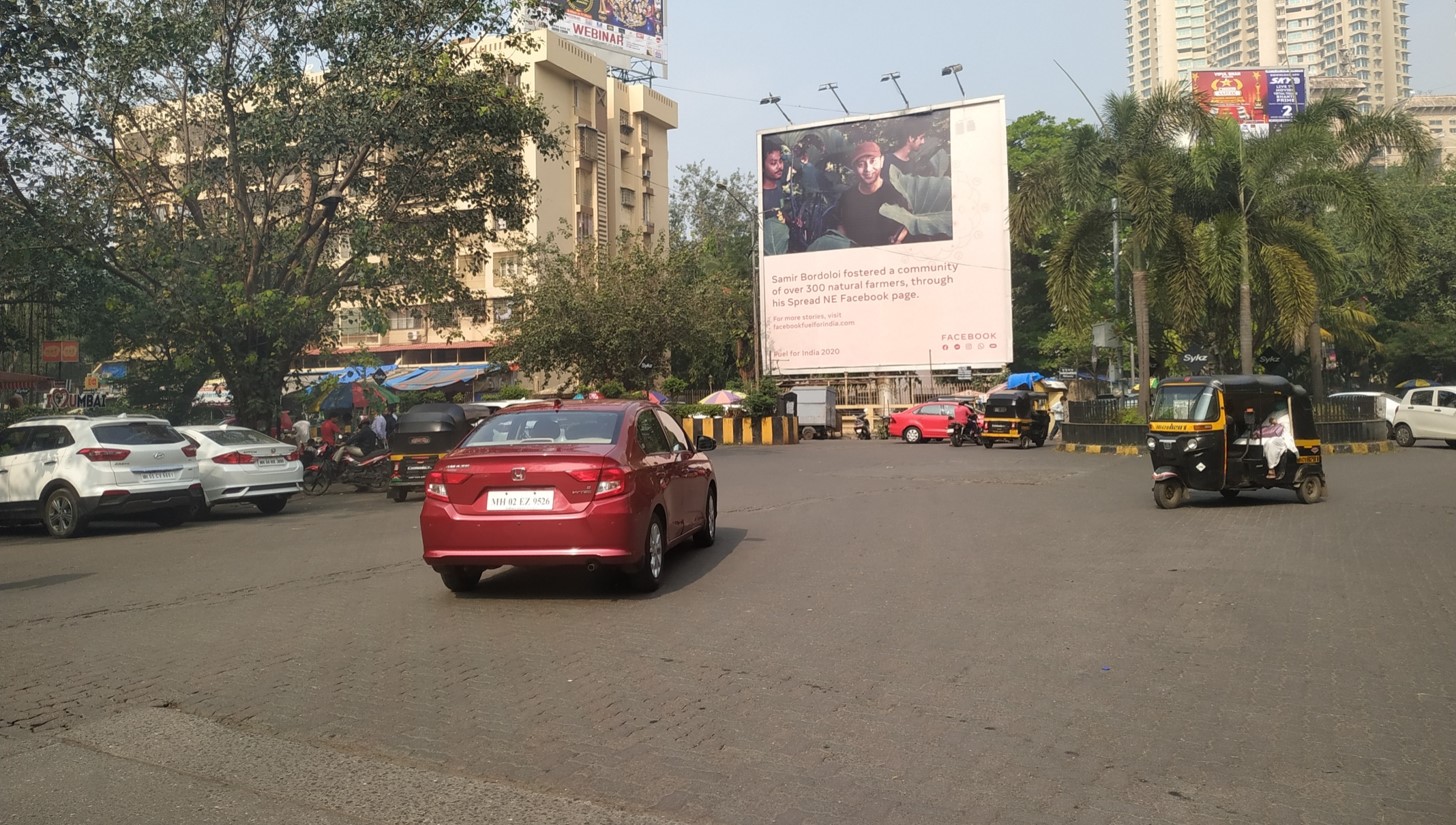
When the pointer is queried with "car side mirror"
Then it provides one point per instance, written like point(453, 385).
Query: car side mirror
point(705, 443)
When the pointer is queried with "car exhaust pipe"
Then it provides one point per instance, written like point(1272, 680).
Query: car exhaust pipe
point(591, 567)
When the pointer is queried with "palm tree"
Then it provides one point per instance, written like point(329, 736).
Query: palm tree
point(1261, 202)
point(1124, 176)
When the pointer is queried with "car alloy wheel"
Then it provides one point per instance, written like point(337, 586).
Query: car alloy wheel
point(1403, 435)
point(709, 532)
point(647, 577)
point(912, 435)
point(63, 514)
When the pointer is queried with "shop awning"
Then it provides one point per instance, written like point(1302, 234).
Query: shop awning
point(22, 381)
point(429, 378)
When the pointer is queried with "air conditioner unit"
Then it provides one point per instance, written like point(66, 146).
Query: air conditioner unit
point(412, 336)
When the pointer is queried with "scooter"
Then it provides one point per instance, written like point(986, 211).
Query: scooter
point(862, 427)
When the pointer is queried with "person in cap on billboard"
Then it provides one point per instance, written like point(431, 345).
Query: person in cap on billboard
point(773, 176)
point(859, 208)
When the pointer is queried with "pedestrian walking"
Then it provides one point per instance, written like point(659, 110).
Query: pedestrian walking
point(1059, 414)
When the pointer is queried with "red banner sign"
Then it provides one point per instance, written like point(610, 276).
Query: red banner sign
point(56, 351)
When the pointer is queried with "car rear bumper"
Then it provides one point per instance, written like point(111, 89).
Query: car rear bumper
point(149, 501)
point(605, 533)
point(253, 492)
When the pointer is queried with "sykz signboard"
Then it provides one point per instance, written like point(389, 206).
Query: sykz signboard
point(1258, 99)
point(630, 27)
point(885, 244)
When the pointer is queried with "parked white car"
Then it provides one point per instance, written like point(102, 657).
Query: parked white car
point(243, 466)
point(1426, 412)
point(68, 470)
point(1385, 404)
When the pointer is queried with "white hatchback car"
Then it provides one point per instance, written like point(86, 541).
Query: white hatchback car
point(243, 466)
point(1427, 412)
point(68, 470)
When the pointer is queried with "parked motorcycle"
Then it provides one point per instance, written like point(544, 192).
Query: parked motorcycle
point(862, 426)
point(969, 434)
point(347, 465)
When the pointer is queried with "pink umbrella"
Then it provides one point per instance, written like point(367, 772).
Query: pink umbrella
point(722, 397)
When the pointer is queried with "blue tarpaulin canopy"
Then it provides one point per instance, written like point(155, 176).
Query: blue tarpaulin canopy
point(1020, 380)
point(429, 378)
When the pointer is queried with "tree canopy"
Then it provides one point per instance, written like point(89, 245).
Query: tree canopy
point(243, 169)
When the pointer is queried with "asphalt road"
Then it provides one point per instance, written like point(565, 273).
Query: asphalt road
point(884, 633)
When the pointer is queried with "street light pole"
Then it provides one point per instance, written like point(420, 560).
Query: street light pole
point(832, 87)
point(955, 70)
point(774, 99)
point(757, 221)
point(894, 77)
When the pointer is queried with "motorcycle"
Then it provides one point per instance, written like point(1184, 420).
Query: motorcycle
point(969, 434)
point(862, 427)
point(348, 465)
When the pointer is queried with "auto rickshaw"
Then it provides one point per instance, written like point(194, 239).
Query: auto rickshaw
point(1210, 432)
point(425, 433)
point(1016, 416)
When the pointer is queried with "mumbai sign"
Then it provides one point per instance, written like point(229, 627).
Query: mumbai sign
point(630, 27)
point(884, 242)
point(1258, 99)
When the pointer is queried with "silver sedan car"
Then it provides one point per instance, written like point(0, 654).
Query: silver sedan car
point(243, 466)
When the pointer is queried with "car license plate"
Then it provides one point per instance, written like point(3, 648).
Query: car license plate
point(271, 462)
point(166, 475)
point(520, 500)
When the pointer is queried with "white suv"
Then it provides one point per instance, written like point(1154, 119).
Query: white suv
point(67, 470)
point(1427, 412)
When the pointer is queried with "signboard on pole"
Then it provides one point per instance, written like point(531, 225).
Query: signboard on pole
point(54, 352)
point(884, 242)
point(1260, 100)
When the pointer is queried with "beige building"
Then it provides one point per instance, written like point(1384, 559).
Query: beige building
point(1367, 40)
point(611, 178)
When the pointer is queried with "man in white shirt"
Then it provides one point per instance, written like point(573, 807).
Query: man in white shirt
point(380, 426)
point(300, 430)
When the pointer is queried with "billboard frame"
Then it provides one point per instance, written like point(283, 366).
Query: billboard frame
point(994, 210)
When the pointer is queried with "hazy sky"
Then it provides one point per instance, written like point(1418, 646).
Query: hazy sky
point(725, 57)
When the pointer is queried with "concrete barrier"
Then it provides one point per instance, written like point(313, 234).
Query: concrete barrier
point(768, 429)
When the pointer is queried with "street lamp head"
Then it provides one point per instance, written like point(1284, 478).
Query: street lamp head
point(890, 76)
point(828, 87)
point(770, 99)
point(951, 69)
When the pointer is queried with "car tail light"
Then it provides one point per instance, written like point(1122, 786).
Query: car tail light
point(104, 454)
point(189, 451)
point(233, 458)
point(610, 481)
point(293, 456)
point(437, 483)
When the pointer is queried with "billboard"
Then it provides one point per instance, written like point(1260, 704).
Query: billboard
point(60, 352)
point(630, 27)
point(1259, 99)
point(885, 244)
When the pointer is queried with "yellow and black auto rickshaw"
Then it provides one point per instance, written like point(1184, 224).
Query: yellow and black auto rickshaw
point(1226, 433)
point(1015, 417)
point(425, 433)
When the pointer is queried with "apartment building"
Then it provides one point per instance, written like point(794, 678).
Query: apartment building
point(1364, 40)
point(611, 178)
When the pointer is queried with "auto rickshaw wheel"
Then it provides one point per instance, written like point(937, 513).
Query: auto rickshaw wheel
point(1229, 494)
point(1169, 494)
point(1024, 442)
point(1311, 489)
point(988, 443)
point(398, 495)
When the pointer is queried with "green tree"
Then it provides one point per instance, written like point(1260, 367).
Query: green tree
point(1137, 156)
point(597, 315)
point(246, 168)
point(1265, 204)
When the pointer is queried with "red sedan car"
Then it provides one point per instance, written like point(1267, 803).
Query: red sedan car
point(569, 483)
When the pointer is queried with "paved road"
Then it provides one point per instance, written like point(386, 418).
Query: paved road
point(884, 633)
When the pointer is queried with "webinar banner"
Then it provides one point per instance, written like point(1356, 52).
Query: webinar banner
point(885, 244)
point(631, 27)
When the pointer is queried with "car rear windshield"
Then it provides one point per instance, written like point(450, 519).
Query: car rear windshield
point(134, 433)
point(547, 426)
point(1194, 402)
point(236, 437)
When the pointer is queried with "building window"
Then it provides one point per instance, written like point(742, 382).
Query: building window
point(505, 269)
point(406, 318)
point(500, 309)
